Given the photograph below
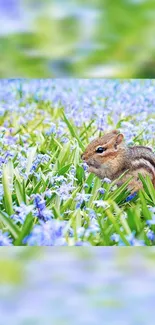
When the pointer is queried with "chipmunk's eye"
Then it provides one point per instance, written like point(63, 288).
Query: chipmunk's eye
point(100, 149)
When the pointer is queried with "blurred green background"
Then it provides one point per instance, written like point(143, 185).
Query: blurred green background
point(79, 38)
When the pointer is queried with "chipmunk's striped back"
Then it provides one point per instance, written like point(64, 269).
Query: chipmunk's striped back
point(143, 158)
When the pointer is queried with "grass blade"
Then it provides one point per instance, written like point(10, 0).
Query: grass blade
point(13, 229)
point(7, 181)
point(26, 229)
point(73, 132)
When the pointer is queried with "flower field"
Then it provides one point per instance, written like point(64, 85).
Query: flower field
point(47, 196)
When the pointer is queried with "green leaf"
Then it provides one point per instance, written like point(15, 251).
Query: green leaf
point(84, 133)
point(31, 157)
point(145, 186)
point(80, 174)
point(63, 156)
point(116, 194)
point(19, 187)
point(64, 169)
point(36, 188)
point(76, 154)
point(150, 188)
point(116, 226)
point(13, 229)
point(94, 192)
point(68, 203)
point(146, 212)
point(7, 180)
point(19, 192)
point(56, 213)
point(26, 229)
point(89, 181)
point(73, 132)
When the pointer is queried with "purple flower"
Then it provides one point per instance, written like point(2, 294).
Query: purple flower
point(130, 197)
point(133, 241)
point(101, 190)
point(64, 190)
point(93, 229)
point(1, 191)
point(115, 237)
point(50, 233)
point(21, 213)
point(39, 202)
point(85, 166)
point(150, 235)
point(41, 211)
point(106, 180)
point(81, 198)
point(40, 159)
point(101, 203)
point(151, 221)
point(51, 130)
point(5, 240)
point(91, 213)
point(9, 140)
point(48, 193)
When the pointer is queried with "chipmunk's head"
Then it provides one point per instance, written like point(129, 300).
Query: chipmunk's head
point(102, 153)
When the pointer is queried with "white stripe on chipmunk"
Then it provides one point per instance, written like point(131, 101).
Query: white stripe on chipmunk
point(143, 163)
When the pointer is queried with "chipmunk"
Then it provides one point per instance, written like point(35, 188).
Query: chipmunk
point(109, 156)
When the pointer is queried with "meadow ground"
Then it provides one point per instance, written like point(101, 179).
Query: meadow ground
point(47, 196)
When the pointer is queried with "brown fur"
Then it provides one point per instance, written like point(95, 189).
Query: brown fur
point(118, 158)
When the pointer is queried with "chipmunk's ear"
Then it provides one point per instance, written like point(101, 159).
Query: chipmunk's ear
point(119, 139)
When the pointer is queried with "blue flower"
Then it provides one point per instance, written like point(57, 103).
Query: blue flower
point(150, 235)
point(151, 221)
point(50, 233)
point(5, 240)
point(133, 241)
point(21, 212)
point(130, 197)
point(64, 190)
point(51, 130)
point(101, 203)
point(106, 180)
point(41, 211)
point(91, 213)
point(101, 190)
point(81, 198)
point(40, 159)
point(115, 237)
point(85, 166)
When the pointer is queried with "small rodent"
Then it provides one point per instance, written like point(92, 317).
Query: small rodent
point(109, 156)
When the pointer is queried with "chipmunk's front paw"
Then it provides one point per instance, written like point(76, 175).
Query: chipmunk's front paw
point(135, 186)
point(92, 170)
